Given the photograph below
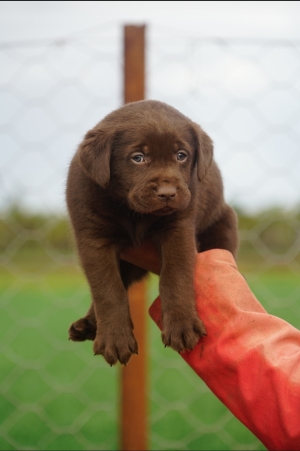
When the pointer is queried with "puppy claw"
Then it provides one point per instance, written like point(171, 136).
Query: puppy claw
point(116, 347)
point(182, 334)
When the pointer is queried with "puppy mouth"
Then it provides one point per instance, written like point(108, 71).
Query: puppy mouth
point(166, 210)
point(149, 203)
point(146, 209)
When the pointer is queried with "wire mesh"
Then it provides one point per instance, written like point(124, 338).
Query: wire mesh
point(245, 94)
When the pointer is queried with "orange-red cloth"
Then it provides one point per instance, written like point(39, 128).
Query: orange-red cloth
point(249, 359)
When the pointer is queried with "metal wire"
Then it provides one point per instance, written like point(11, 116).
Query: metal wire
point(245, 94)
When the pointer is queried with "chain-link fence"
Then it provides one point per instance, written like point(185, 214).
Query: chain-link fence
point(245, 94)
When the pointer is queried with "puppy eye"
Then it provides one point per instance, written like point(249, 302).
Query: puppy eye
point(181, 156)
point(138, 158)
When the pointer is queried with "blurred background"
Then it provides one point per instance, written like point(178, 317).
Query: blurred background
point(233, 67)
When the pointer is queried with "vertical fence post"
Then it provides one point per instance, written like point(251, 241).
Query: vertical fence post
point(134, 431)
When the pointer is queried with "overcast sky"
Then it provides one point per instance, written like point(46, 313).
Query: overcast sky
point(247, 98)
point(44, 19)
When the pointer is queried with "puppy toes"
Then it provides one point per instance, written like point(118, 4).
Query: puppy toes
point(183, 334)
point(82, 330)
point(116, 348)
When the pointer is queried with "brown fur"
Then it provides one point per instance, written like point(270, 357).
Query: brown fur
point(171, 194)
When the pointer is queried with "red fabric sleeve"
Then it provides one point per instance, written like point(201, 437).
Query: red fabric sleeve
point(249, 359)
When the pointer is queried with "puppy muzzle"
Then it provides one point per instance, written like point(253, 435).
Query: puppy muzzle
point(159, 199)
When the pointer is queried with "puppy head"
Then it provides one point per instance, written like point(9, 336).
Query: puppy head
point(147, 153)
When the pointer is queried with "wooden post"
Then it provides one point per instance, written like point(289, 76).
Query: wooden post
point(134, 412)
point(134, 63)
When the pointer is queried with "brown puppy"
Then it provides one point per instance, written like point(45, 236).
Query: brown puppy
point(145, 172)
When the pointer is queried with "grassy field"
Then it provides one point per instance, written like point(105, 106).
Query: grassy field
point(55, 395)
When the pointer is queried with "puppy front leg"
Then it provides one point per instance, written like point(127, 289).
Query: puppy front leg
point(114, 336)
point(181, 325)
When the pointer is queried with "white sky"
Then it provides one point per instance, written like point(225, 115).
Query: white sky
point(44, 19)
point(257, 132)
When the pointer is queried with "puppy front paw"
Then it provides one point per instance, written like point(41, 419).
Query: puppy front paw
point(116, 346)
point(82, 330)
point(182, 333)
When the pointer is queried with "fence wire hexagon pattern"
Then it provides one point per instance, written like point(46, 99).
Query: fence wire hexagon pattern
point(245, 94)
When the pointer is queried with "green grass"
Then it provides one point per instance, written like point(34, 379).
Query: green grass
point(56, 395)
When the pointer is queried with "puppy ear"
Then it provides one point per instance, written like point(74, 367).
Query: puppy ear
point(94, 156)
point(204, 149)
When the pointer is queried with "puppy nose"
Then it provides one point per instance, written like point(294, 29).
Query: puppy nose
point(166, 192)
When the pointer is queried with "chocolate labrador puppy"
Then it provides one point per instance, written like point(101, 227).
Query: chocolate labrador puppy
point(145, 172)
